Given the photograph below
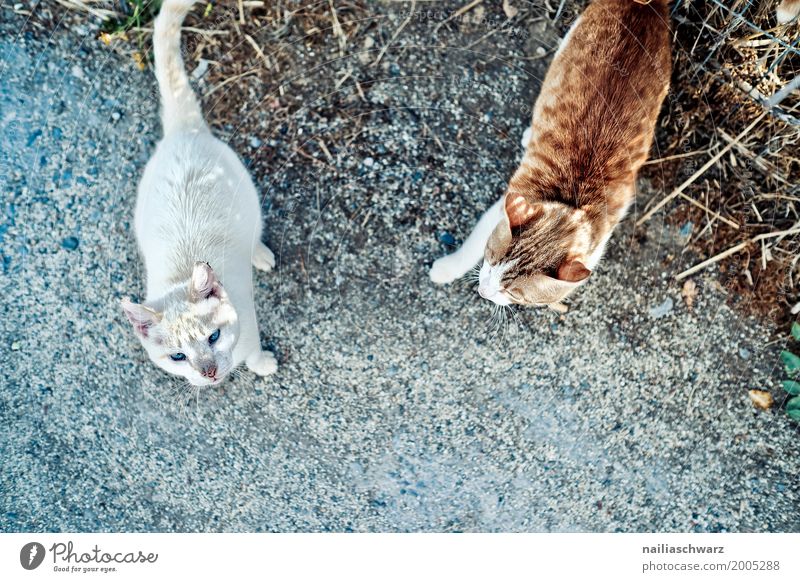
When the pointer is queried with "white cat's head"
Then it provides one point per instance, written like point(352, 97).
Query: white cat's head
point(192, 331)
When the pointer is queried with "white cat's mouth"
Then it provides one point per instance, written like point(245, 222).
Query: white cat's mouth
point(214, 380)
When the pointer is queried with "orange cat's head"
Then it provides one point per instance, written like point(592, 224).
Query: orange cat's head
point(537, 254)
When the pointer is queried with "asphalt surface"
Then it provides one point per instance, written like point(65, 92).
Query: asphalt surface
point(397, 406)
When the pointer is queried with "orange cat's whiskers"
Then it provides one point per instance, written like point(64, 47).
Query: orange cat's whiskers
point(513, 315)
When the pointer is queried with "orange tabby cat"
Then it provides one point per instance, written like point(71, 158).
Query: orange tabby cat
point(592, 127)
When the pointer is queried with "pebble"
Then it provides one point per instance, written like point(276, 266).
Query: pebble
point(369, 162)
point(70, 243)
point(200, 69)
point(661, 310)
point(744, 353)
point(447, 238)
point(255, 142)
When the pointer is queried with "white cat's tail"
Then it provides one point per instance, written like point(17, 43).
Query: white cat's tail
point(180, 109)
point(787, 11)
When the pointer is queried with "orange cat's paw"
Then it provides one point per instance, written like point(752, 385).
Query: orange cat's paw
point(445, 270)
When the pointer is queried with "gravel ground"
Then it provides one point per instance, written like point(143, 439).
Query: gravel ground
point(398, 406)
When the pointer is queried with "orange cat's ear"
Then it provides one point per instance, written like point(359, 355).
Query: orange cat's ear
point(573, 271)
point(519, 210)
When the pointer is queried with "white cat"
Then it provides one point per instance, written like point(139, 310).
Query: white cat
point(198, 224)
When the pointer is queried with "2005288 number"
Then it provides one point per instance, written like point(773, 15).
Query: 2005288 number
point(756, 565)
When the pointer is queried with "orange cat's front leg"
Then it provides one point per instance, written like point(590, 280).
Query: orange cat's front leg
point(456, 265)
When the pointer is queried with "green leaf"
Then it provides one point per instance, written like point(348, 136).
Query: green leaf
point(791, 386)
point(796, 331)
point(793, 404)
point(792, 362)
point(794, 414)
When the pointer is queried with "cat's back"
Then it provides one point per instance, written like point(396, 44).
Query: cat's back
point(620, 48)
point(195, 200)
point(194, 179)
point(596, 113)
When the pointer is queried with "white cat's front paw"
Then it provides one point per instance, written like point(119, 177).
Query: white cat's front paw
point(445, 270)
point(263, 259)
point(262, 363)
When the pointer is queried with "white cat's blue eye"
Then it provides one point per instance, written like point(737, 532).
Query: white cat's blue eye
point(213, 337)
point(180, 356)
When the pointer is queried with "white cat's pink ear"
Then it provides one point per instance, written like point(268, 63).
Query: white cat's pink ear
point(204, 282)
point(141, 317)
point(519, 210)
point(573, 271)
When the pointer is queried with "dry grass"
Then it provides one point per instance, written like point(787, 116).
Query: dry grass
point(727, 154)
point(731, 60)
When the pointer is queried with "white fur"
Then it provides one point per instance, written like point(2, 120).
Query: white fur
point(454, 266)
point(567, 37)
point(526, 137)
point(196, 202)
point(490, 279)
point(787, 11)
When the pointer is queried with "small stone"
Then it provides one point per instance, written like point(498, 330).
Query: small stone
point(369, 162)
point(77, 72)
point(394, 70)
point(744, 353)
point(541, 51)
point(661, 310)
point(687, 229)
point(255, 142)
point(70, 243)
point(15, 346)
point(510, 10)
point(761, 399)
point(689, 293)
point(447, 239)
point(200, 70)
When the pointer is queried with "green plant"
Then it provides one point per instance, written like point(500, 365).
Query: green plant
point(136, 14)
point(792, 385)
